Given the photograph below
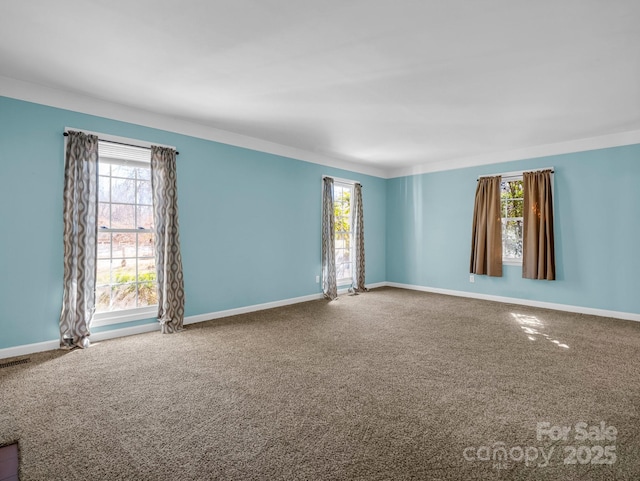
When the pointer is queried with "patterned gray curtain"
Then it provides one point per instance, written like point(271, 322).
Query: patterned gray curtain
point(79, 237)
point(358, 240)
point(167, 242)
point(329, 282)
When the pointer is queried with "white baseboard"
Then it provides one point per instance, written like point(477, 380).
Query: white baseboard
point(267, 305)
point(377, 284)
point(244, 310)
point(628, 316)
point(27, 349)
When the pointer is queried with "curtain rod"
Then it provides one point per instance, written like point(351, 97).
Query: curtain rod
point(511, 175)
point(66, 134)
point(343, 181)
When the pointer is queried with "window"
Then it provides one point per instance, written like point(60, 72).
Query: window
point(511, 207)
point(342, 195)
point(126, 276)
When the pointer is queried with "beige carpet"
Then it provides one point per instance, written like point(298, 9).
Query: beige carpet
point(390, 384)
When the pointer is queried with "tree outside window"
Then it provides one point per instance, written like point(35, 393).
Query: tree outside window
point(511, 204)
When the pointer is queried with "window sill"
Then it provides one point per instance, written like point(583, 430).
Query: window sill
point(512, 262)
point(128, 315)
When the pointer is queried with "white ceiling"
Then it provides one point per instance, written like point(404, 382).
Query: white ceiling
point(388, 84)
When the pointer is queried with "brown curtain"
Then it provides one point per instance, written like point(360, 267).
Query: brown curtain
point(538, 258)
point(486, 239)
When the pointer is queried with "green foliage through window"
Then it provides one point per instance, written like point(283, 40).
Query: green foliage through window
point(512, 205)
point(342, 219)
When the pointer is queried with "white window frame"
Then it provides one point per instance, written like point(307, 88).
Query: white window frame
point(346, 184)
point(137, 313)
point(121, 315)
point(513, 261)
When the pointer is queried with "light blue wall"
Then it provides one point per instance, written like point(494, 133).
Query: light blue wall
point(250, 226)
point(249, 221)
point(597, 231)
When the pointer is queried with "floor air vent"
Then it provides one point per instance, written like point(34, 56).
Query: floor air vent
point(15, 363)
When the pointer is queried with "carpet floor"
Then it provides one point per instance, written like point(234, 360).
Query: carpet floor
point(389, 384)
